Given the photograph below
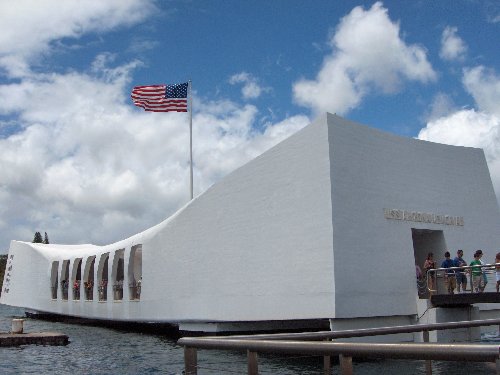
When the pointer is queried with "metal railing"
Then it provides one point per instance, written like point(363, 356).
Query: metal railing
point(296, 343)
point(432, 275)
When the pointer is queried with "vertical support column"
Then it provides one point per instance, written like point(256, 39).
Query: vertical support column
point(469, 318)
point(498, 366)
point(81, 291)
point(71, 276)
point(327, 363)
point(190, 361)
point(95, 289)
point(345, 365)
point(428, 362)
point(59, 279)
point(126, 280)
point(109, 285)
point(253, 363)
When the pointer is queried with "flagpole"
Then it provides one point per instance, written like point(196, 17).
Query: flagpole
point(190, 139)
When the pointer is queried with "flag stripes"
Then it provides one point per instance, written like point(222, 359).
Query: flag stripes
point(161, 98)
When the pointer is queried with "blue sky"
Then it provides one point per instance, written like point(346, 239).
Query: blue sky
point(82, 163)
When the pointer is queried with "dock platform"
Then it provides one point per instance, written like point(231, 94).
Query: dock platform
point(34, 338)
point(450, 300)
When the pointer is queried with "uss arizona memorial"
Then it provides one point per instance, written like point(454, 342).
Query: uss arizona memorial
point(324, 229)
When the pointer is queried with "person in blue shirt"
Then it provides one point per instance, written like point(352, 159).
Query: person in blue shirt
point(460, 275)
point(450, 279)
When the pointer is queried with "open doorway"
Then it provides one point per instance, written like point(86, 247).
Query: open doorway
point(135, 272)
point(427, 241)
point(102, 277)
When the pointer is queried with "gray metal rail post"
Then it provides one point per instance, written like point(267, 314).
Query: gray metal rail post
point(253, 363)
point(190, 360)
point(348, 350)
point(259, 343)
point(327, 363)
point(428, 362)
point(345, 364)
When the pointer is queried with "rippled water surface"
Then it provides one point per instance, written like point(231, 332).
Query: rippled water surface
point(100, 350)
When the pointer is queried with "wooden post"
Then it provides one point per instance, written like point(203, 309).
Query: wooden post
point(253, 365)
point(428, 362)
point(345, 365)
point(190, 361)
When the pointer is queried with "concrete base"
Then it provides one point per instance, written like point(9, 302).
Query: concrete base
point(264, 326)
point(428, 315)
point(17, 326)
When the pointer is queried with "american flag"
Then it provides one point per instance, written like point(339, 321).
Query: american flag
point(161, 98)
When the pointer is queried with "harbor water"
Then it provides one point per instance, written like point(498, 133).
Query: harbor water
point(101, 350)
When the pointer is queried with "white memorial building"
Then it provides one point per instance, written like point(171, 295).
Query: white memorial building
point(322, 230)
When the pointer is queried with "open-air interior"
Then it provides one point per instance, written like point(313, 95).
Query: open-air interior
point(114, 263)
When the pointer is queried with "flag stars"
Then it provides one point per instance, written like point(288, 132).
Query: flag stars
point(178, 90)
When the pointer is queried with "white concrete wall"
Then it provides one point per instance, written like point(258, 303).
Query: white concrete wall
point(29, 278)
point(257, 245)
point(389, 320)
point(372, 170)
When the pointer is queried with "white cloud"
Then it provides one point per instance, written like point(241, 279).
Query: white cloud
point(484, 85)
point(441, 105)
point(465, 128)
point(97, 169)
point(251, 88)
point(452, 46)
point(367, 54)
point(474, 127)
point(29, 27)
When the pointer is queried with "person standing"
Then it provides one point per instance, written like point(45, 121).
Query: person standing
point(450, 280)
point(483, 269)
point(460, 275)
point(477, 274)
point(429, 265)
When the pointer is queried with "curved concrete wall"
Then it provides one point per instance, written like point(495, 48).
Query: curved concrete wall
point(301, 232)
